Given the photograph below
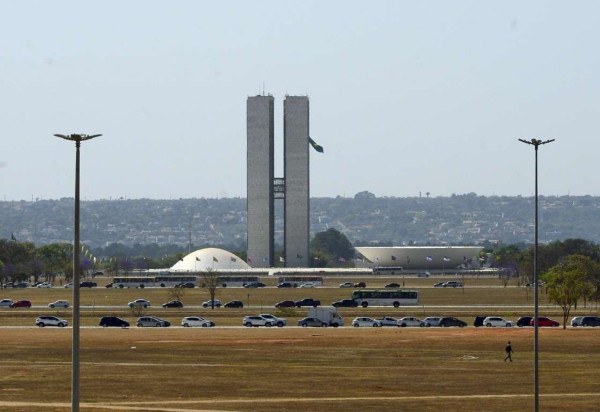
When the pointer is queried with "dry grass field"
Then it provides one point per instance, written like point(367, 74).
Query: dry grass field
point(271, 369)
point(295, 369)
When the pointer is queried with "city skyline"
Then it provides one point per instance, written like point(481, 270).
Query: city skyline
point(407, 98)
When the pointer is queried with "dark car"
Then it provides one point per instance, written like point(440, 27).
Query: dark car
point(478, 321)
point(189, 285)
point(392, 285)
point(285, 304)
point(234, 304)
point(590, 321)
point(345, 303)
point(21, 304)
point(311, 322)
point(113, 321)
point(108, 285)
point(544, 322)
point(308, 302)
point(21, 285)
point(524, 321)
point(254, 285)
point(173, 304)
point(360, 285)
point(88, 284)
point(285, 285)
point(452, 321)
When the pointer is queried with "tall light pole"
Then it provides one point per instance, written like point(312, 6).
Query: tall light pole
point(536, 381)
point(77, 138)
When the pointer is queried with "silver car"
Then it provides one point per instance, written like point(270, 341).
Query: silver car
point(432, 321)
point(410, 321)
point(152, 321)
point(497, 321)
point(59, 304)
point(365, 321)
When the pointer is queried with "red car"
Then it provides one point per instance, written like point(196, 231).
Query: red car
point(21, 304)
point(544, 322)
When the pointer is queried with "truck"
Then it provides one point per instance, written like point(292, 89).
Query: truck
point(327, 314)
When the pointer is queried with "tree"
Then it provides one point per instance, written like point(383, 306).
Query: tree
point(333, 245)
point(210, 281)
point(176, 293)
point(567, 282)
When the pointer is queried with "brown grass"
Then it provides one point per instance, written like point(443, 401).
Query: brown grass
point(300, 369)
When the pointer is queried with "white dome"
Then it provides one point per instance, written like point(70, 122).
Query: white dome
point(209, 258)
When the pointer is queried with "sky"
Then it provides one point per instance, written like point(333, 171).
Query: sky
point(406, 97)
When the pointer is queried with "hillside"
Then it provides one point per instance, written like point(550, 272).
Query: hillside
point(459, 219)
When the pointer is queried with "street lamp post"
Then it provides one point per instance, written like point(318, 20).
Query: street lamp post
point(77, 138)
point(536, 382)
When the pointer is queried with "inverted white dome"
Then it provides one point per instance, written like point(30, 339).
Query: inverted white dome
point(209, 258)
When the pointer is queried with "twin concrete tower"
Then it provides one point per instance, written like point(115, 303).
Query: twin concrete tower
point(264, 187)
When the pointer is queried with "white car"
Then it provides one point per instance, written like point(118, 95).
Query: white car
point(497, 321)
point(432, 321)
point(388, 321)
point(59, 304)
point(44, 285)
point(347, 285)
point(410, 321)
point(576, 321)
point(69, 285)
point(5, 303)
point(308, 285)
point(209, 303)
point(139, 303)
point(364, 321)
point(275, 321)
point(256, 321)
point(50, 321)
point(196, 321)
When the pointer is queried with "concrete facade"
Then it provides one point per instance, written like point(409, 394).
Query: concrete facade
point(260, 174)
point(297, 188)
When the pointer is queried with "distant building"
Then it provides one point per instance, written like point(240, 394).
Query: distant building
point(263, 188)
point(423, 257)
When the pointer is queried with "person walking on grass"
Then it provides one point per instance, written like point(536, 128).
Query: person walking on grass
point(508, 349)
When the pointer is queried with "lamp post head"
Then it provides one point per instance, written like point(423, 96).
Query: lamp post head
point(77, 137)
point(536, 142)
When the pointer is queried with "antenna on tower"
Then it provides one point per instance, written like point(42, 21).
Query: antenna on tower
point(263, 89)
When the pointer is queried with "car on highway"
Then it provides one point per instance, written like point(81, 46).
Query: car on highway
point(308, 302)
point(448, 321)
point(139, 303)
point(152, 321)
point(68, 285)
point(42, 321)
point(285, 285)
point(453, 284)
point(285, 304)
point(308, 285)
point(6, 303)
point(109, 285)
point(524, 321)
point(388, 321)
point(478, 321)
point(347, 285)
point(88, 284)
point(345, 303)
point(590, 321)
point(185, 285)
point(113, 321)
point(496, 321)
point(275, 321)
point(439, 285)
point(360, 285)
point(210, 303)
point(312, 322)
point(59, 304)
point(544, 322)
point(576, 321)
point(257, 321)
point(365, 321)
point(252, 285)
point(196, 321)
point(392, 285)
point(173, 304)
point(21, 304)
point(234, 304)
point(44, 285)
point(432, 321)
point(410, 321)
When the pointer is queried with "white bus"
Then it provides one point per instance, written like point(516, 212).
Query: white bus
point(299, 280)
point(236, 281)
point(133, 282)
point(386, 297)
point(174, 280)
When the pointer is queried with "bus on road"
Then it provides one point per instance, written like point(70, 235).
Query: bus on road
point(386, 297)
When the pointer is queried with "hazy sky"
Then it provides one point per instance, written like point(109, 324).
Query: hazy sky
point(405, 96)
